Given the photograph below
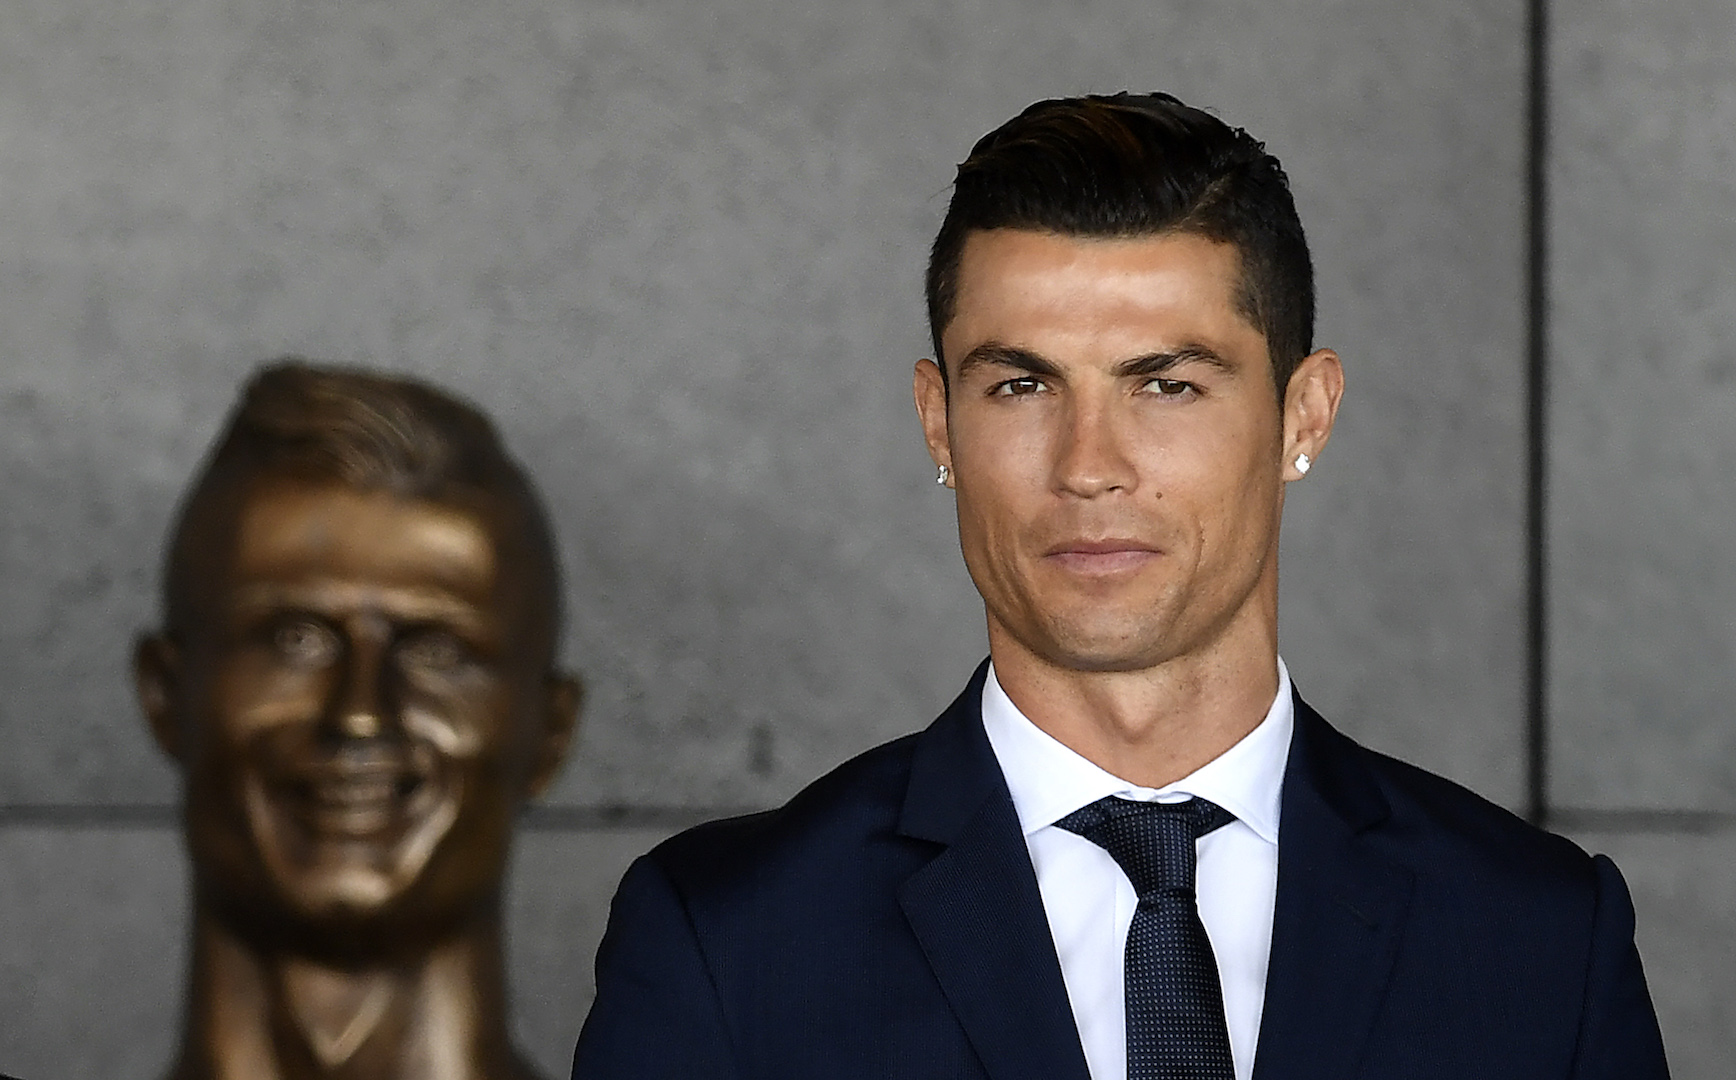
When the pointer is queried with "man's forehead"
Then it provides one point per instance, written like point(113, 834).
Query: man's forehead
point(1118, 295)
point(1028, 260)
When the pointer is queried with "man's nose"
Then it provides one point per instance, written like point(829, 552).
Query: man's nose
point(1090, 458)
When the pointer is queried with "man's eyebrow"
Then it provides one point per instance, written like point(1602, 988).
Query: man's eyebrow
point(995, 352)
point(1158, 362)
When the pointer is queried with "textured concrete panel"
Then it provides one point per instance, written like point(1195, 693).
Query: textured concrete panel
point(92, 955)
point(93, 951)
point(1403, 609)
point(677, 250)
point(1684, 890)
point(561, 888)
point(1643, 672)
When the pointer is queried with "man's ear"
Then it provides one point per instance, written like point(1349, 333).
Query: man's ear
point(562, 698)
point(930, 391)
point(1310, 409)
point(157, 681)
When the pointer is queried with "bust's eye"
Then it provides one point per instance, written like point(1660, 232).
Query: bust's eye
point(305, 643)
point(432, 650)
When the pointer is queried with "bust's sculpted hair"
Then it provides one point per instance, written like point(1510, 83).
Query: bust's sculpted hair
point(366, 431)
point(1135, 165)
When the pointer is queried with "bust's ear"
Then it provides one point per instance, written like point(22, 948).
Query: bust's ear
point(562, 696)
point(157, 680)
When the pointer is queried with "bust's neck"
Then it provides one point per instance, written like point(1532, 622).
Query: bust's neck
point(261, 1015)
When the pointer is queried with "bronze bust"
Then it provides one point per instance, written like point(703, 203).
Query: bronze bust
point(356, 678)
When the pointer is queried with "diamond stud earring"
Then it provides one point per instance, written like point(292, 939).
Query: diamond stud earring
point(1303, 464)
point(942, 472)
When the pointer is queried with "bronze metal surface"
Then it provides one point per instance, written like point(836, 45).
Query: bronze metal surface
point(356, 680)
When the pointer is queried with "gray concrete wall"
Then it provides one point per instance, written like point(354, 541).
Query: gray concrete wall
point(1642, 675)
point(676, 250)
point(1643, 484)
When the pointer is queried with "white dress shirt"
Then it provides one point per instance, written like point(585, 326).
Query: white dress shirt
point(1089, 900)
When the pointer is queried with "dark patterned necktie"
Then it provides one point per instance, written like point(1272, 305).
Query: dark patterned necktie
point(1175, 1004)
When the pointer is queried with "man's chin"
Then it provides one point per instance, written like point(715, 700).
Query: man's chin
point(1102, 646)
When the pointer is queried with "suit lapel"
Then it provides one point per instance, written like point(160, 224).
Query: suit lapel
point(1339, 915)
point(975, 908)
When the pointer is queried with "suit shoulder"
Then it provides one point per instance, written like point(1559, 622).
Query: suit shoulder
point(1442, 818)
point(843, 811)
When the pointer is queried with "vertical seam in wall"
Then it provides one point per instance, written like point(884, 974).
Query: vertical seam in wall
point(1537, 413)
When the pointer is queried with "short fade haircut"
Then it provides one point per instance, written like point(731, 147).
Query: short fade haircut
point(370, 432)
point(1124, 166)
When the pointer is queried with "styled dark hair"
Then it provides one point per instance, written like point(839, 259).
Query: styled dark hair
point(370, 432)
point(1129, 165)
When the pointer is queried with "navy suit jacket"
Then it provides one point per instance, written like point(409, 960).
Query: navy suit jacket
point(886, 923)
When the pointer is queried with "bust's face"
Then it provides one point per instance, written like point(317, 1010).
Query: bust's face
point(361, 710)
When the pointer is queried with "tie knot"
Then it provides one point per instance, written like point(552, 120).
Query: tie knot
point(1153, 842)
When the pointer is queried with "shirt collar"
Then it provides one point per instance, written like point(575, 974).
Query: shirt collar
point(1048, 780)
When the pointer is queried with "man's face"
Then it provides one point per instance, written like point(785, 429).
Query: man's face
point(1116, 442)
point(360, 710)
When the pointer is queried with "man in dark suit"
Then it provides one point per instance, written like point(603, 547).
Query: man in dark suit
point(1128, 849)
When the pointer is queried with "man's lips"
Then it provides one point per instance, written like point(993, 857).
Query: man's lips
point(1101, 556)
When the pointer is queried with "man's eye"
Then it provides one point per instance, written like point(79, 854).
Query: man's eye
point(305, 643)
point(1019, 387)
point(432, 650)
point(1167, 387)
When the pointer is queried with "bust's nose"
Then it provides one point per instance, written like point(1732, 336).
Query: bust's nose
point(361, 705)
